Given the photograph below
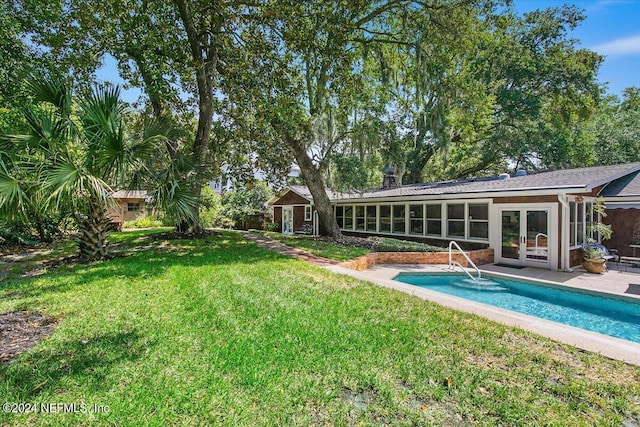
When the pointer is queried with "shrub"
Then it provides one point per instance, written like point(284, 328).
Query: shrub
point(386, 244)
point(144, 222)
point(273, 227)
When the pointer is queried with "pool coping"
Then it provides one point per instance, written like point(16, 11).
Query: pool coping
point(612, 347)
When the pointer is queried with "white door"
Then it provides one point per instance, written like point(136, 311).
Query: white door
point(287, 219)
point(526, 237)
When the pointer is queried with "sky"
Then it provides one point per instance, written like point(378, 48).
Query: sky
point(611, 28)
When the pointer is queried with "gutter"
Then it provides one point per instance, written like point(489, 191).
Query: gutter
point(564, 243)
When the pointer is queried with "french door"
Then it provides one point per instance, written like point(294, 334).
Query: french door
point(525, 237)
point(287, 219)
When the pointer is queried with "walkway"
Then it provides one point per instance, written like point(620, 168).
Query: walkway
point(274, 245)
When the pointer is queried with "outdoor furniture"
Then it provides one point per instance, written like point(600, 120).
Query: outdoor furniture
point(306, 229)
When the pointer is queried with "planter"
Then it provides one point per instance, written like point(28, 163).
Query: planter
point(595, 265)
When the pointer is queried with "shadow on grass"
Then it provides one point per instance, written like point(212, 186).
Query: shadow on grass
point(86, 362)
point(143, 262)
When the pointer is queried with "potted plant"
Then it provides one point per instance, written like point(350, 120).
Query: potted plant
point(595, 254)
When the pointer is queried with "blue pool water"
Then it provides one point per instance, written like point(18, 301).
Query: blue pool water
point(608, 316)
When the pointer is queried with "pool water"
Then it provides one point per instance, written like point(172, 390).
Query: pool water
point(609, 316)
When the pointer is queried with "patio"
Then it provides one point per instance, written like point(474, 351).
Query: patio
point(623, 282)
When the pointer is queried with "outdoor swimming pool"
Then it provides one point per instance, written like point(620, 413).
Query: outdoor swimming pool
point(614, 317)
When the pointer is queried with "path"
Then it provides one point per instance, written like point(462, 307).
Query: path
point(274, 245)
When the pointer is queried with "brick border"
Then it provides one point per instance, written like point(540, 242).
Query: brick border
point(479, 257)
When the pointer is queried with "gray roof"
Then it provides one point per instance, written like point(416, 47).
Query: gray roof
point(626, 186)
point(623, 180)
point(130, 194)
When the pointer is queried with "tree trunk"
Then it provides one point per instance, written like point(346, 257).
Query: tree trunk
point(327, 222)
point(93, 229)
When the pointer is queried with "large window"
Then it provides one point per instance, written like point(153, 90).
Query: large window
point(434, 220)
point(385, 218)
point(416, 219)
point(398, 219)
point(133, 207)
point(340, 216)
point(371, 218)
point(580, 219)
point(478, 221)
point(359, 218)
point(455, 220)
point(348, 217)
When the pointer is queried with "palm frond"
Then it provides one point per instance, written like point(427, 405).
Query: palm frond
point(13, 197)
point(53, 90)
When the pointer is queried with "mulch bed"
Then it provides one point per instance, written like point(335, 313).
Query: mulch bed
point(21, 330)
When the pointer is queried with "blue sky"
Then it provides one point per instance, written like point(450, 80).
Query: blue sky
point(612, 28)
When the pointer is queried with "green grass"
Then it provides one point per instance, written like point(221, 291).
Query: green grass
point(318, 247)
point(221, 332)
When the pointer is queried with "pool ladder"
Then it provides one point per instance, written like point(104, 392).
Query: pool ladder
point(453, 263)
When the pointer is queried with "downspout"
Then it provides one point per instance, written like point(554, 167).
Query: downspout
point(564, 244)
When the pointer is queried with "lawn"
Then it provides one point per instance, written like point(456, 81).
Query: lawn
point(218, 331)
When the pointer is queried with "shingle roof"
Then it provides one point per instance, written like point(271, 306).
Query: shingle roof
point(130, 194)
point(622, 180)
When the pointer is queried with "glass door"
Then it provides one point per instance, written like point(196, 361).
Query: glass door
point(537, 237)
point(287, 220)
point(525, 237)
point(511, 234)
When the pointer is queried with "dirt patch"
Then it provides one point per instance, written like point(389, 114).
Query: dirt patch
point(21, 330)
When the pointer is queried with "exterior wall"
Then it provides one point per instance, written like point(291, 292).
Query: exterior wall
point(479, 257)
point(298, 218)
point(526, 199)
point(575, 257)
point(622, 223)
point(291, 198)
point(120, 213)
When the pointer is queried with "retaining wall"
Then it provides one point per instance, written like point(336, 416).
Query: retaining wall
point(479, 257)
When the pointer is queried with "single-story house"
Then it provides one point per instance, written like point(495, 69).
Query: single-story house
point(538, 220)
point(129, 206)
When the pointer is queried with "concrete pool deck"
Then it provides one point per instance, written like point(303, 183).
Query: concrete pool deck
point(624, 284)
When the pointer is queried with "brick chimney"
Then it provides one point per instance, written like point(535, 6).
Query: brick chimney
point(390, 179)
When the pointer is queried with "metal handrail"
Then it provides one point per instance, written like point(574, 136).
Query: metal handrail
point(452, 262)
point(537, 236)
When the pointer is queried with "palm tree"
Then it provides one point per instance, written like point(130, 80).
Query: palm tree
point(75, 154)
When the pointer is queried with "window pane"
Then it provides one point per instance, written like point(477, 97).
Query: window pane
point(340, 216)
point(479, 230)
point(434, 227)
point(398, 219)
point(359, 217)
point(371, 218)
point(415, 211)
point(417, 225)
point(479, 212)
point(455, 228)
point(385, 218)
point(572, 223)
point(434, 211)
point(348, 217)
point(455, 211)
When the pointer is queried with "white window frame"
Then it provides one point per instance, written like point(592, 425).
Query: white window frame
point(307, 212)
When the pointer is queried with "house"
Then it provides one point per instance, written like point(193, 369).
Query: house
point(538, 220)
point(129, 206)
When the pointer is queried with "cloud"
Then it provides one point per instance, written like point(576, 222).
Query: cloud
point(623, 47)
